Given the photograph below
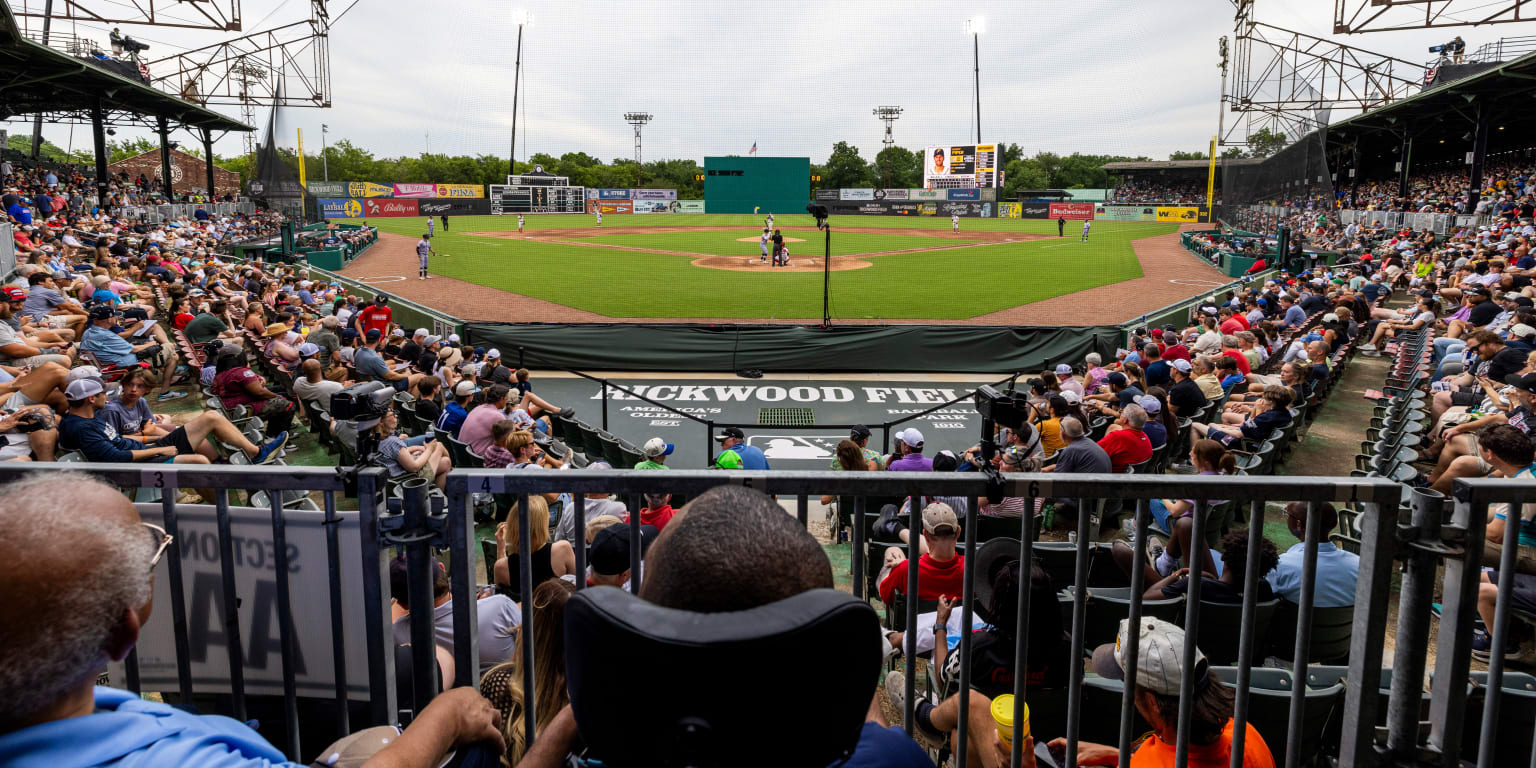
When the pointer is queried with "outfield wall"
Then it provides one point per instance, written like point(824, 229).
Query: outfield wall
point(799, 348)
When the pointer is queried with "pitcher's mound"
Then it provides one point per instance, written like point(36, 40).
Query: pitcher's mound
point(796, 264)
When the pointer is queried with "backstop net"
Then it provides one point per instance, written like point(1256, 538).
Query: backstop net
point(276, 181)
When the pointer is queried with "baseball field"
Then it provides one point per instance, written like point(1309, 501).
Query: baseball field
point(708, 266)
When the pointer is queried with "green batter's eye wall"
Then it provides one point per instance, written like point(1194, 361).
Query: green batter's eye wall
point(769, 184)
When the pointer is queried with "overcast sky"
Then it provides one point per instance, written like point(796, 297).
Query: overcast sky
point(1131, 77)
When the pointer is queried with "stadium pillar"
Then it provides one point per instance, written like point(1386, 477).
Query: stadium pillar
point(1479, 153)
point(1354, 173)
point(1404, 155)
point(163, 127)
point(208, 160)
point(99, 143)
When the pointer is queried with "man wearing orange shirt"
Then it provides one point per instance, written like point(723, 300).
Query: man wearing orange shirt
point(1159, 672)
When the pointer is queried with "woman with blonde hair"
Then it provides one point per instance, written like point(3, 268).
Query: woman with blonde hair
point(550, 560)
point(503, 684)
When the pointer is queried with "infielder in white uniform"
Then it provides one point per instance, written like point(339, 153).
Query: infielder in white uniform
point(954, 222)
point(519, 223)
point(763, 243)
point(423, 250)
point(430, 227)
point(599, 217)
point(1085, 231)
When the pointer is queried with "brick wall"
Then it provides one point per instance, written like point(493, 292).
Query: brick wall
point(188, 173)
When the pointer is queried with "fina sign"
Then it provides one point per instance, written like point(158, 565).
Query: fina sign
point(255, 561)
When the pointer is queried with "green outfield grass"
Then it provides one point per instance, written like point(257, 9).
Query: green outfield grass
point(727, 243)
point(953, 284)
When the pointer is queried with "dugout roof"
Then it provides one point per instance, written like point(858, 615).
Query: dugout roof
point(1441, 120)
point(37, 79)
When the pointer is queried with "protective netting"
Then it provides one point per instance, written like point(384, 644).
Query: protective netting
point(276, 182)
point(1289, 186)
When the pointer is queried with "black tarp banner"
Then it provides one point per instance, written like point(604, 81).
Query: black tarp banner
point(847, 348)
point(455, 207)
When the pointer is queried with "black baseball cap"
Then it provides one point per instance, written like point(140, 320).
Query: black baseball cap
point(729, 432)
point(372, 335)
point(609, 554)
point(859, 432)
point(102, 312)
point(1526, 382)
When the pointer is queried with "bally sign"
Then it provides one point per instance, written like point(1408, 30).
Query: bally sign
point(256, 599)
point(376, 206)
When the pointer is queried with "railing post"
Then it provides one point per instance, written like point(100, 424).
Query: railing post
point(379, 630)
point(604, 384)
point(1463, 572)
point(1418, 591)
point(419, 569)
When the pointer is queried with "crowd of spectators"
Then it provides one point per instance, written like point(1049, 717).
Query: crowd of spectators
point(1159, 191)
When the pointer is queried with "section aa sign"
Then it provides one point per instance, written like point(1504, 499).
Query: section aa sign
point(256, 596)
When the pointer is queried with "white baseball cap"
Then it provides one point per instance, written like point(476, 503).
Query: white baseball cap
point(453, 337)
point(494, 354)
point(657, 447)
point(465, 389)
point(1182, 365)
point(1063, 370)
point(398, 333)
point(419, 333)
point(84, 389)
point(1071, 397)
point(911, 437)
point(1159, 656)
point(83, 372)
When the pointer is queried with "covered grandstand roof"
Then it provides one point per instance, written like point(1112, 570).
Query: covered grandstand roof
point(1441, 119)
point(37, 78)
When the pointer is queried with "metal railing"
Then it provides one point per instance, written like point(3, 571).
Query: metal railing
point(155, 214)
point(1423, 538)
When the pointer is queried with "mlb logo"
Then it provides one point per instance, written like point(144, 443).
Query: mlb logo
point(795, 447)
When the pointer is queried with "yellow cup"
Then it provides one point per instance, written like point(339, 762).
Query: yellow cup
point(1002, 714)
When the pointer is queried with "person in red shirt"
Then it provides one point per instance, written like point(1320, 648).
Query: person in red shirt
point(1125, 443)
point(657, 510)
point(375, 317)
point(1231, 322)
point(939, 568)
point(1231, 347)
point(1159, 674)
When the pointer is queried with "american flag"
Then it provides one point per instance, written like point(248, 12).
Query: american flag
point(753, 151)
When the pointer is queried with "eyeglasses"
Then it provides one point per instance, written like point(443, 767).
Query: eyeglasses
point(162, 543)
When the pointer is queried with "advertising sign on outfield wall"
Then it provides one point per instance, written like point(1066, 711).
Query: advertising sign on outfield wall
point(461, 207)
point(415, 190)
point(686, 206)
point(1071, 211)
point(607, 194)
point(653, 194)
point(1035, 210)
point(891, 194)
point(1125, 212)
point(966, 210)
point(327, 188)
point(341, 208)
point(461, 190)
point(1178, 213)
point(826, 194)
point(1009, 210)
point(379, 206)
point(875, 209)
point(963, 194)
point(927, 194)
point(610, 206)
point(856, 194)
point(369, 189)
point(650, 206)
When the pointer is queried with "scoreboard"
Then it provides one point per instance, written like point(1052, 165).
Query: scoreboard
point(961, 166)
point(537, 199)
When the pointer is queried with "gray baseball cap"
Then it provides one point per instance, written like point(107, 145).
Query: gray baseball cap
point(1159, 657)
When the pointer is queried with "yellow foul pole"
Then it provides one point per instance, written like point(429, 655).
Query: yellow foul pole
point(302, 182)
point(1210, 185)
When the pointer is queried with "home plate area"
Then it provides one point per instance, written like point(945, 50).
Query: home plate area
point(764, 407)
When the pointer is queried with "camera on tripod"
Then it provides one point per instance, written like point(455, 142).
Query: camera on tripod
point(133, 46)
point(1005, 408)
point(363, 403)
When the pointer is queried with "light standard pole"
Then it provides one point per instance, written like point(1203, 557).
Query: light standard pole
point(325, 162)
point(976, 26)
point(522, 18)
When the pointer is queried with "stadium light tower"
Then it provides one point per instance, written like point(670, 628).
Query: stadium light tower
point(522, 18)
point(638, 120)
point(976, 26)
point(889, 115)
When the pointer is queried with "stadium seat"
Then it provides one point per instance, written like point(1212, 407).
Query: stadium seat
point(1517, 718)
point(1106, 606)
point(694, 709)
point(1331, 632)
point(896, 610)
point(1102, 696)
point(1221, 623)
point(1269, 708)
